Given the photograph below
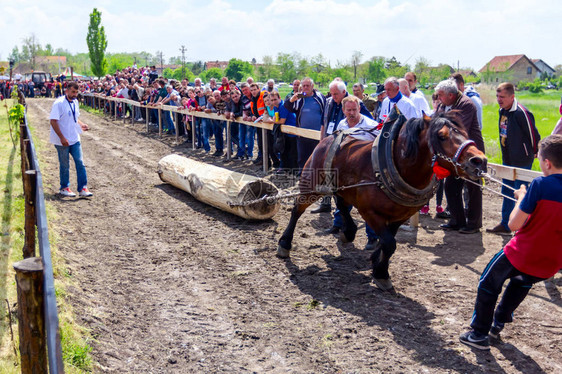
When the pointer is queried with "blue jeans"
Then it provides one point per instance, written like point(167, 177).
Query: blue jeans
point(205, 130)
point(338, 222)
point(246, 140)
point(218, 127)
point(168, 122)
point(64, 165)
point(508, 205)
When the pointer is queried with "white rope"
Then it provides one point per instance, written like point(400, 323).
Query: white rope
point(489, 189)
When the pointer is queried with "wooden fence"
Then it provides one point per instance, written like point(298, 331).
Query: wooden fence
point(98, 101)
point(38, 324)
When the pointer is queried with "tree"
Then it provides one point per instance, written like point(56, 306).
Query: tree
point(97, 43)
point(355, 61)
point(216, 73)
point(30, 50)
point(238, 69)
point(196, 67)
point(422, 69)
point(375, 69)
point(15, 55)
point(286, 65)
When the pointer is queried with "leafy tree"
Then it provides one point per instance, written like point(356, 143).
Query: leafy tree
point(15, 55)
point(355, 61)
point(48, 50)
point(119, 61)
point(422, 69)
point(268, 70)
point(97, 43)
point(30, 50)
point(196, 67)
point(286, 65)
point(238, 69)
point(216, 73)
point(375, 69)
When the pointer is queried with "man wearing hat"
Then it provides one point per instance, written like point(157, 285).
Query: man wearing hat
point(379, 96)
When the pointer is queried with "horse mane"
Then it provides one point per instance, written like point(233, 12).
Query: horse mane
point(413, 128)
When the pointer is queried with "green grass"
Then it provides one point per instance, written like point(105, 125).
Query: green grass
point(74, 339)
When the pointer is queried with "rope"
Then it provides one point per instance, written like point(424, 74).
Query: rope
point(497, 181)
point(489, 189)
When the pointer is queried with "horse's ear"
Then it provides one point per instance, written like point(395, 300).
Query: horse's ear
point(425, 117)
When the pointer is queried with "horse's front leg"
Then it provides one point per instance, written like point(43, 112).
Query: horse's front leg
point(302, 202)
point(381, 257)
point(349, 228)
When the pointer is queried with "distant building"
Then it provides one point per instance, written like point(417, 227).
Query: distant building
point(543, 67)
point(215, 64)
point(512, 68)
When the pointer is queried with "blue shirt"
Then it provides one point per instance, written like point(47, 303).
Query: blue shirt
point(290, 118)
point(311, 114)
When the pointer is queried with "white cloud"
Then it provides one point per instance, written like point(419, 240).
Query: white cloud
point(442, 31)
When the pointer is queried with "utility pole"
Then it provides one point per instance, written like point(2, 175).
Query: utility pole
point(161, 56)
point(183, 50)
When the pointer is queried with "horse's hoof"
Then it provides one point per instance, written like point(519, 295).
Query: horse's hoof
point(345, 239)
point(282, 252)
point(384, 284)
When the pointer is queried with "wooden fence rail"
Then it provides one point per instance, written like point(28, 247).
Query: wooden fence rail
point(40, 346)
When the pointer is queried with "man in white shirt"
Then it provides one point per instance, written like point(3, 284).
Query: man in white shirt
point(405, 105)
point(354, 119)
point(65, 135)
point(419, 102)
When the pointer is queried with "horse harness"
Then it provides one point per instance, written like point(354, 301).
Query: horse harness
point(387, 177)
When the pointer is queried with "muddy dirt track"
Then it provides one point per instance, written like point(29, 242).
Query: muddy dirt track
point(170, 285)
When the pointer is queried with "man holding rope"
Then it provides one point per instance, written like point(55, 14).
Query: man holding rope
point(532, 255)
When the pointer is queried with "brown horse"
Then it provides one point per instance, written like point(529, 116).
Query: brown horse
point(385, 201)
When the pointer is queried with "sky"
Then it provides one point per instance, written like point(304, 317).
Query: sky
point(459, 33)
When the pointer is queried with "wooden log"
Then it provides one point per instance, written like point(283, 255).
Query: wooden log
point(219, 187)
point(31, 322)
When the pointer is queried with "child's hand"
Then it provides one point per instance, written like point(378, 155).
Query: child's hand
point(520, 193)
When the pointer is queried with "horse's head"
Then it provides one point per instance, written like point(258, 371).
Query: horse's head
point(452, 149)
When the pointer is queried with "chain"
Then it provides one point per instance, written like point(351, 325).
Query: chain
point(275, 198)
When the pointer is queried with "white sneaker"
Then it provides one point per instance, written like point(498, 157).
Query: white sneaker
point(67, 192)
point(85, 192)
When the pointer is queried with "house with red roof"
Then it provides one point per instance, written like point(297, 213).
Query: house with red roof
point(511, 68)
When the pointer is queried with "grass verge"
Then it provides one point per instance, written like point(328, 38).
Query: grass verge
point(74, 338)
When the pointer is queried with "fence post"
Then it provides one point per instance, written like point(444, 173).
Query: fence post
point(159, 122)
point(147, 119)
point(193, 132)
point(29, 188)
point(31, 322)
point(265, 154)
point(228, 142)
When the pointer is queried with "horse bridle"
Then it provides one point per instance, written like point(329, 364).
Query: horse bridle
point(455, 160)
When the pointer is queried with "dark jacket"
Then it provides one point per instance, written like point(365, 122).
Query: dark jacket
point(466, 110)
point(296, 107)
point(517, 149)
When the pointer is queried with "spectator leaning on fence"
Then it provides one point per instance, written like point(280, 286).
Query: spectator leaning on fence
point(66, 128)
point(308, 105)
point(246, 133)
